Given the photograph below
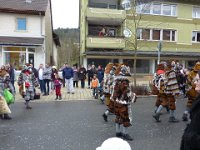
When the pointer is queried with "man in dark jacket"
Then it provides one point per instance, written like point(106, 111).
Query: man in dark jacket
point(68, 74)
point(100, 74)
point(82, 76)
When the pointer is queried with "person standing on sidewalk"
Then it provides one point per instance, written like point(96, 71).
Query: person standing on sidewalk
point(47, 78)
point(57, 86)
point(61, 69)
point(82, 76)
point(53, 76)
point(100, 73)
point(76, 76)
point(89, 75)
point(68, 74)
point(40, 78)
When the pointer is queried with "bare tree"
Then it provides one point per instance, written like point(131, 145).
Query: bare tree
point(133, 24)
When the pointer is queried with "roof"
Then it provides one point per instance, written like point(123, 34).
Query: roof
point(21, 41)
point(21, 6)
point(141, 53)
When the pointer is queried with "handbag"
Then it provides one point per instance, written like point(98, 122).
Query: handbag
point(8, 96)
point(4, 109)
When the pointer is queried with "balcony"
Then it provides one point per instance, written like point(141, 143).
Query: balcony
point(105, 42)
point(99, 13)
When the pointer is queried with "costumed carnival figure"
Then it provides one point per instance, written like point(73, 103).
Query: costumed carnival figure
point(27, 83)
point(171, 90)
point(5, 83)
point(159, 86)
point(110, 73)
point(123, 97)
point(191, 93)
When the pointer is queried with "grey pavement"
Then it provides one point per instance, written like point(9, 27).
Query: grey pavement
point(79, 94)
point(78, 125)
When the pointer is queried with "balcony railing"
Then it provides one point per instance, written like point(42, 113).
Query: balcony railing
point(105, 6)
point(105, 42)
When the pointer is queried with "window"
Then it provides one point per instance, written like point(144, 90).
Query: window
point(166, 35)
point(196, 36)
point(173, 35)
point(157, 9)
point(167, 10)
point(146, 34)
point(21, 23)
point(143, 66)
point(169, 35)
point(144, 8)
point(16, 58)
point(196, 12)
point(156, 34)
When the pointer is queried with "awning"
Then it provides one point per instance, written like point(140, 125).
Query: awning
point(142, 53)
point(21, 41)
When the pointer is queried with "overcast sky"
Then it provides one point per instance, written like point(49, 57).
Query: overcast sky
point(65, 13)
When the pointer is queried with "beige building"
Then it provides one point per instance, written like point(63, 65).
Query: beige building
point(26, 33)
point(175, 24)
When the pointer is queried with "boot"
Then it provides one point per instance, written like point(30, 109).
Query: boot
point(7, 117)
point(119, 134)
point(60, 98)
point(28, 106)
point(173, 119)
point(167, 109)
point(56, 97)
point(105, 117)
point(185, 117)
point(157, 117)
point(2, 116)
point(127, 137)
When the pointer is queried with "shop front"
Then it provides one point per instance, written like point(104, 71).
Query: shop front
point(18, 52)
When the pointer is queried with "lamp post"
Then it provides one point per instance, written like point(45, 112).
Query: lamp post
point(159, 46)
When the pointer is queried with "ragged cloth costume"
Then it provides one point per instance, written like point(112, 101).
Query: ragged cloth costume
point(159, 87)
point(5, 83)
point(108, 88)
point(171, 89)
point(191, 93)
point(123, 97)
point(27, 82)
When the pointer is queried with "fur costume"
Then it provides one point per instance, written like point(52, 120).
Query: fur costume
point(122, 96)
point(191, 93)
point(171, 89)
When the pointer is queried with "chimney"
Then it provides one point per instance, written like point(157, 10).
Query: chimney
point(28, 1)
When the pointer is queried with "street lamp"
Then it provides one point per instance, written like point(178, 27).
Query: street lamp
point(159, 47)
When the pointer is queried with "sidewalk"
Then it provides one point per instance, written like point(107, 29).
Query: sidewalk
point(79, 94)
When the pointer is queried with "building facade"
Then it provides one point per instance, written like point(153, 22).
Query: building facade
point(26, 33)
point(173, 27)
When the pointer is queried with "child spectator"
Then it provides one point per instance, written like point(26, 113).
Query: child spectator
point(95, 85)
point(57, 87)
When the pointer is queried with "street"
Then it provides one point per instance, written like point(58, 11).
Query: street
point(78, 125)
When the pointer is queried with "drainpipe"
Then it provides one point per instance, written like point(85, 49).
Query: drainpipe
point(2, 56)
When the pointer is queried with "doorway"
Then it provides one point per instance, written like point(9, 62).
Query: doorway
point(31, 58)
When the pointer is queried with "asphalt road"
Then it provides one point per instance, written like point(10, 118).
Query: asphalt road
point(78, 125)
